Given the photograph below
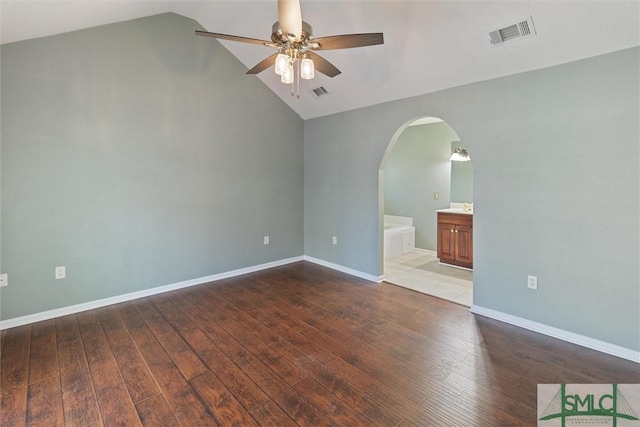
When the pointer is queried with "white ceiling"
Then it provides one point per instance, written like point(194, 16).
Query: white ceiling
point(429, 45)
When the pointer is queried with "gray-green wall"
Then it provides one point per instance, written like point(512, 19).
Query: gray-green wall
point(417, 167)
point(567, 211)
point(139, 155)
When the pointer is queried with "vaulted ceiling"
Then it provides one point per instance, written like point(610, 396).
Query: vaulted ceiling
point(429, 45)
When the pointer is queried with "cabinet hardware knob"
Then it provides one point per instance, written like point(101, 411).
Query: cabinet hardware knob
point(456, 231)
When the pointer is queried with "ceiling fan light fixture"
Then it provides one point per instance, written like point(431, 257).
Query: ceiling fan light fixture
point(287, 74)
point(293, 38)
point(307, 70)
point(282, 61)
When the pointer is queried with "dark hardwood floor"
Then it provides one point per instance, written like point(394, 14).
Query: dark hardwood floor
point(294, 345)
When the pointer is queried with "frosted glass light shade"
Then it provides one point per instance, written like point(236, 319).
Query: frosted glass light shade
point(287, 74)
point(307, 70)
point(282, 61)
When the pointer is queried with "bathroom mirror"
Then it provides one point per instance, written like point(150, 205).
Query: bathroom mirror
point(461, 179)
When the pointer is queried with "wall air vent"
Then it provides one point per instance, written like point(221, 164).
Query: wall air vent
point(511, 32)
point(319, 91)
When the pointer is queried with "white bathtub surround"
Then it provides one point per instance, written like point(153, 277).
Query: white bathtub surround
point(399, 236)
point(399, 220)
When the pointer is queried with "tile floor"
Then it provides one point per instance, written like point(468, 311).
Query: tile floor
point(421, 272)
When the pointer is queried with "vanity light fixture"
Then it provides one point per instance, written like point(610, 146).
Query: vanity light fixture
point(459, 154)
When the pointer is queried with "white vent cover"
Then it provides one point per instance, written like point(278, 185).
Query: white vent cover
point(319, 91)
point(511, 32)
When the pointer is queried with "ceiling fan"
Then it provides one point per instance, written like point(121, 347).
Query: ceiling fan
point(294, 40)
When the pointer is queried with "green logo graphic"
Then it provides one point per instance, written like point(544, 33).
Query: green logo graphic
point(613, 406)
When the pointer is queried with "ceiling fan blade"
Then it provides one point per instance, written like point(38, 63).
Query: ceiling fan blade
point(322, 65)
point(263, 65)
point(348, 41)
point(233, 38)
point(290, 17)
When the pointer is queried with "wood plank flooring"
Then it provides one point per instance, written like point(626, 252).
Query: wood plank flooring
point(298, 345)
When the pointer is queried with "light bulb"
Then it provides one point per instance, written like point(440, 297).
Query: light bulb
point(282, 61)
point(459, 155)
point(307, 71)
point(287, 74)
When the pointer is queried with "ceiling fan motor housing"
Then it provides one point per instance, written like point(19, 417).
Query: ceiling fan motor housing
point(278, 37)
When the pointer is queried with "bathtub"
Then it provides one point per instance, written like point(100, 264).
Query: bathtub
point(399, 236)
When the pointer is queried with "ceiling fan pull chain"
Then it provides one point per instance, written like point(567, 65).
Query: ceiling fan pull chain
point(298, 61)
point(293, 82)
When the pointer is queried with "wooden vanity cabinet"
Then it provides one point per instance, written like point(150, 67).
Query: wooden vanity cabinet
point(455, 239)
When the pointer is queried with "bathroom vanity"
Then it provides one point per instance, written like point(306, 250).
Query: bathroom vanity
point(455, 237)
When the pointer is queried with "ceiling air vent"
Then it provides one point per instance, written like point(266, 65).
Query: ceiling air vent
point(319, 91)
point(515, 31)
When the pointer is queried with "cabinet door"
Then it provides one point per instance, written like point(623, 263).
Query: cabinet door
point(464, 245)
point(446, 242)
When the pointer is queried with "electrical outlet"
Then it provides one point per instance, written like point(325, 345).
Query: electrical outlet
point(532, 282)
point(334, 240)
point(61, 272)
point(4, 280)
point(266, 240)
point(436, 196)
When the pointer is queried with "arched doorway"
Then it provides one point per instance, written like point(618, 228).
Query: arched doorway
point(418, 179)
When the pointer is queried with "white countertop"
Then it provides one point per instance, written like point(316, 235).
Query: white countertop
point(455, 211)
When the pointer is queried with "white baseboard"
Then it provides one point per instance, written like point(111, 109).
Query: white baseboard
point(571, 337)
point(454, 266)
point(351, 271)
point(72, 309)
point(426, 251)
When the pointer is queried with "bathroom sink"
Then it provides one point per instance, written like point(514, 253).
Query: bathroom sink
point(456, 211)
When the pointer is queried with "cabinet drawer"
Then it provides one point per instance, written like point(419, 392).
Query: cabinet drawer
point(455, 219)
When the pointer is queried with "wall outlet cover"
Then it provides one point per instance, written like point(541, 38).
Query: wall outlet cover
point(61, 272)
point(4, 280)
point(266, 240)
point(532, 282)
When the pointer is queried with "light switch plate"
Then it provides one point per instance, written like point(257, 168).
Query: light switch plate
point(4, 280)
point(61, 272)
